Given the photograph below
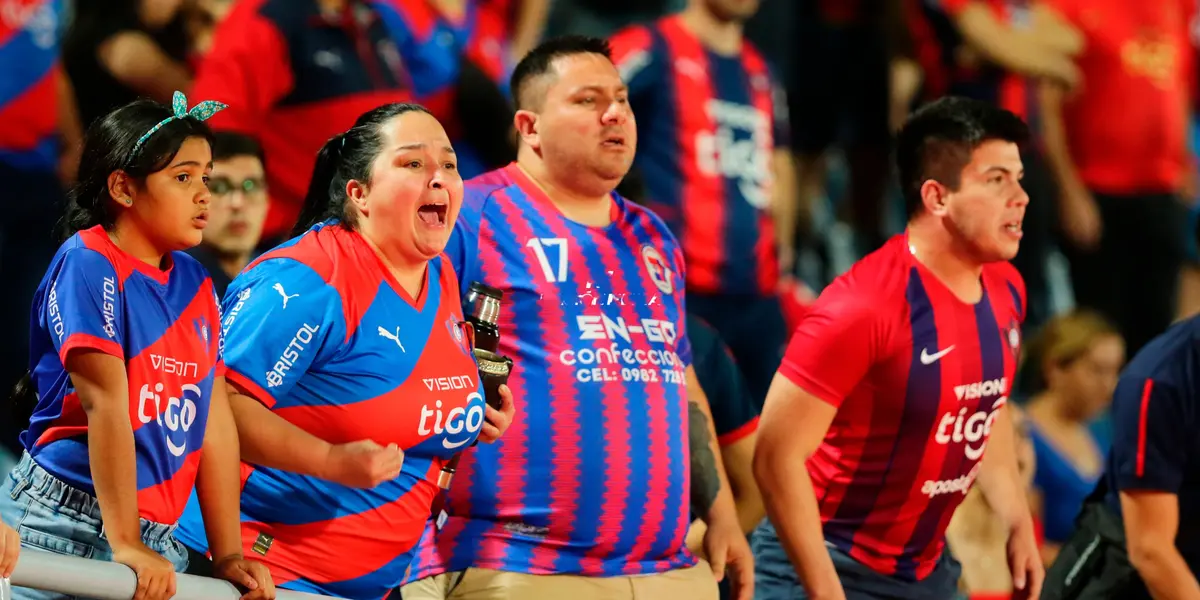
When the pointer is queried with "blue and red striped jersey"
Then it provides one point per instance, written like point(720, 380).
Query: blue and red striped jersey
point(708, 125)
point(294, 77)
point(320, 332)
point(952, 67)
point(30, 35)
point(592, 476)
point(917, 377)
point(164, 325)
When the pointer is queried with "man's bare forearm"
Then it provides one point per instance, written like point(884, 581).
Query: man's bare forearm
point(1165, 572)
point(706, 480)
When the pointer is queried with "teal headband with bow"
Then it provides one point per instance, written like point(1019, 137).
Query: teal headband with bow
point(201, 112)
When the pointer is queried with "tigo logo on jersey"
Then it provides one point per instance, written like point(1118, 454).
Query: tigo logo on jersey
point(179, 415)
point(972, 429)
point(460, 425)
point(658, 269)
point(300, 341)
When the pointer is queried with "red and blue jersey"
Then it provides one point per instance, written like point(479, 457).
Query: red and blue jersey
point(164, 324)
point(592, 476)
point(294, 77)
point(708, 125)
point(319, 332)
point(917, 377)
point(951, 67)
point(30, 35)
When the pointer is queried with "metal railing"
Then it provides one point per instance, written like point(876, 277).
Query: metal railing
point(112, 581)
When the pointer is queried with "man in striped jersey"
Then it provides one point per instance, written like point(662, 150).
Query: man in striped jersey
point(591, 484)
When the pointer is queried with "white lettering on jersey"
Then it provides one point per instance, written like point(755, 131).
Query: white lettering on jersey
point(56, 322)
point(179, 414)
point(445, 384)
point(284, 363)
point(971, 430)
point(747, 161)
point(459, 424)
point(109, 307)
point(173, 366)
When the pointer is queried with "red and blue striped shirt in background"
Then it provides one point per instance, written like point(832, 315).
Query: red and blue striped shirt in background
point(30, 36)
point(951, 67)
point(592, 478)
point(164, 324)
point(708, 125)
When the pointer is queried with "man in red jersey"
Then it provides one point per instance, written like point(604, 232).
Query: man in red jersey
point(1120, 153)
point(895, 381)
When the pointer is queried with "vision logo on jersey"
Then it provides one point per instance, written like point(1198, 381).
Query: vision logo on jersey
point(178, 417)
point(658, 269)
point(460, 425)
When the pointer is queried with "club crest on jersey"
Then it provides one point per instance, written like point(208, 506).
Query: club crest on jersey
point(455, 328)
point(1013, 334)
point(201, 326)
point(658, 269)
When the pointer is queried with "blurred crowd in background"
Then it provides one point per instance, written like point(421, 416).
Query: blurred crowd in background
point(1108, 253)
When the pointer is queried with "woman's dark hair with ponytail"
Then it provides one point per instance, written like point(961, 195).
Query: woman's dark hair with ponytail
point(109, 146)
point(345, 157)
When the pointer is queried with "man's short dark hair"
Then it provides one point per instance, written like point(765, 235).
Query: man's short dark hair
point(937, 141)
point(227, 145)
point(539, 60)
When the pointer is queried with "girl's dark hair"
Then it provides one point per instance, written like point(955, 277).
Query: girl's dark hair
point(345, 157)
point(109, 146)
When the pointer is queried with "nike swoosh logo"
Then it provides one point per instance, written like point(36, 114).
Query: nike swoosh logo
point(929, 359)
point(449, 445)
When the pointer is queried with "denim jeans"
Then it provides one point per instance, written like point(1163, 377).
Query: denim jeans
point(776, 579)
point(51, 516)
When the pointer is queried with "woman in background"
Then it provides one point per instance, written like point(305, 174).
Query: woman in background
point(977, 537)
point(1074, 362)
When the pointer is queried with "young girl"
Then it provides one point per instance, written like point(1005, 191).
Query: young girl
point(126, 363)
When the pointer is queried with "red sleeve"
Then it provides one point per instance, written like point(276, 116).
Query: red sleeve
point(633, 55)
point(247, 69)
point(834, 346)
point(1067, 9)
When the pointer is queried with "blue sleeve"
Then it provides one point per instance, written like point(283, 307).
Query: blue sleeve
point(83, 308)
point(1150, 431)
point(734, 415)
point(431, 62)
point(463, 247)
point(281, 318)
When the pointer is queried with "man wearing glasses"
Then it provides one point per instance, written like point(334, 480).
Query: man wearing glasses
point(236, 211)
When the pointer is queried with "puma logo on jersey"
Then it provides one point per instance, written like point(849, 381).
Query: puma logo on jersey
point(395, 337)
point(279, 288)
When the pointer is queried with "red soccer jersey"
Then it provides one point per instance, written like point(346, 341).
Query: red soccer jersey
point(917, 376)
point(1127, 126)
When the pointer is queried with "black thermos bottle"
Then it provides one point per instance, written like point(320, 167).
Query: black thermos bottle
point(483, 313)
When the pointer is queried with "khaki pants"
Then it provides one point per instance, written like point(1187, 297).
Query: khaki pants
point(695, 583)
